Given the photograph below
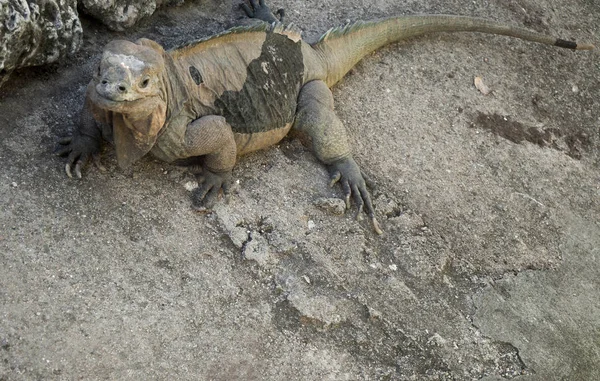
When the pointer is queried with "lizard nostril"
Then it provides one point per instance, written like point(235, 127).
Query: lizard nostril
point(104, 82)
point(122, 88)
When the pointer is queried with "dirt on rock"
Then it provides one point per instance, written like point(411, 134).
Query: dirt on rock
point(487, 268)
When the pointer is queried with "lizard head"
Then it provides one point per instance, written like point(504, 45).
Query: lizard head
point(129, 71)
point(130, 83)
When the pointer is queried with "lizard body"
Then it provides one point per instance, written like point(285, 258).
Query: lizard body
point(241, 91)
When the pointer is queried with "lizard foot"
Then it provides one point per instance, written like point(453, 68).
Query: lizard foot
point(209, 185)
point(79, 149)
point(260, 10)
point(354, 184)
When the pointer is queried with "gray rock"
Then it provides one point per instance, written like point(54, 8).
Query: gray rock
point(331, 205)
point(257, 249)
point(314, 307)
point(36, 33)
point(120, 14)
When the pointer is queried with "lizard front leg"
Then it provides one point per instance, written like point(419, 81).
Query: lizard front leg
point(315, 117)
point(83, 144)
point(212, 138)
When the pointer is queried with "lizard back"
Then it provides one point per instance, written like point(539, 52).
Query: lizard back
point(249, 75)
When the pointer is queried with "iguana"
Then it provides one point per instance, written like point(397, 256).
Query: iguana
point(242, 90)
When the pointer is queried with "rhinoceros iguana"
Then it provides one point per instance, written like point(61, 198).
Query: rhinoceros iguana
point(240, 91)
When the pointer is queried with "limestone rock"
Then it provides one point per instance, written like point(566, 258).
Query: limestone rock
point(35, 33)
point(120, 14)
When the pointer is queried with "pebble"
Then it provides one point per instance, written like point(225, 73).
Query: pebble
point(332, 205)
point(190, 186)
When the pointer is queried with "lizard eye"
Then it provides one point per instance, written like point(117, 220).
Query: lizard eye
point(145, 82)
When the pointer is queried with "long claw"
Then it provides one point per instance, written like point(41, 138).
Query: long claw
point(78, 169)
point(347, 192)
point(334, 178)
point(97, 163)
point(376, 226)
point(68, 170)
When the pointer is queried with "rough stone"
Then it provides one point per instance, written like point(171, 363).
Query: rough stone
point(331, 205)
point(116, 275)
point(315, 307)
point(120, 14)
point(37, 33)
point(257, 249)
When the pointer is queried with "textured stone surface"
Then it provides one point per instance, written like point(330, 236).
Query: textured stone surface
point(487, 268)
point(121, 14)
point(36, 33)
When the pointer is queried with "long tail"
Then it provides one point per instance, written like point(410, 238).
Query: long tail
point(341, 48)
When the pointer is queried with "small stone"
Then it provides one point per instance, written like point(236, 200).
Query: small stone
point(190, 186)
point(306, 279)
point(311, 224)
point(257, 249)
point(393, 267)
point(238, 236)
point(332, 205)
point(373, 313)
point(437, 340)
point(14, 184)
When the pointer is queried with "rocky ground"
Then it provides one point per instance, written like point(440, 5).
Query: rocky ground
point(488, 268)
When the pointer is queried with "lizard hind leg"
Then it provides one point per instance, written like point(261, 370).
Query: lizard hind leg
point(316, 119)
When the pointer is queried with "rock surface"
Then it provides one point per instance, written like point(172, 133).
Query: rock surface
point(120, 14)
point(34, 33)
point(487, 268)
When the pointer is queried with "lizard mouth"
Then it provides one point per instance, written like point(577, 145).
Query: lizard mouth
point(108, 103)
point(140, 106)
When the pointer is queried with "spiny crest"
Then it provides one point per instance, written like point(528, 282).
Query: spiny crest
point(343, 30)
point(289, 30)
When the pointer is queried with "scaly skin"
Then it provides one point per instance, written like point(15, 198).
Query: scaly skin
point(241, 91)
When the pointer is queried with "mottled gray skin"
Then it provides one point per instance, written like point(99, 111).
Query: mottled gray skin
point(241, 91)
